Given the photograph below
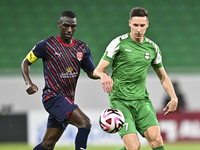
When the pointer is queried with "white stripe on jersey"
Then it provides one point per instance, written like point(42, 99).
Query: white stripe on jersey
point(112, 48)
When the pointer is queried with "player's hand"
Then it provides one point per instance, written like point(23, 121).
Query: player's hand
point(171, 107)
point(107, 83)
point(31, 89)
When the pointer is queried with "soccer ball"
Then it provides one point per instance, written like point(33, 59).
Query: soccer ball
point(111, 120)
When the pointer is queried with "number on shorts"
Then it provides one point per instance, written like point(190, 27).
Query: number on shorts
point(126, 124)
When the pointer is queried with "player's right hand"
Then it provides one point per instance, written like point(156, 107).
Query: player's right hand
point(31, 89)
point(107, 83)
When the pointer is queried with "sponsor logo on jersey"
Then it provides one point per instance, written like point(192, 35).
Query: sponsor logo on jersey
point(69, 73)
point(57, 54)
point(79, 56)
point(69, 69)
point(128, 50)
point(147, 55)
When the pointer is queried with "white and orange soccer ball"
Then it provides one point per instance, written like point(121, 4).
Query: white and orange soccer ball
point(111, 120)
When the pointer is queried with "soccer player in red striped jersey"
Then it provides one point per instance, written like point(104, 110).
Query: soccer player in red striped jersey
point(63, 57)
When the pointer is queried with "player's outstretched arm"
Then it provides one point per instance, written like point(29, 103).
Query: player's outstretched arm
point(25, 69)
point(106, 80)
point(167, 86)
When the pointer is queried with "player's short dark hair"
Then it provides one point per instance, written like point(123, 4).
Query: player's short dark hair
point(138, 12)
point(69, 14)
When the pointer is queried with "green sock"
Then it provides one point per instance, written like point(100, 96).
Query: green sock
point(123, 148)
point(159, 148)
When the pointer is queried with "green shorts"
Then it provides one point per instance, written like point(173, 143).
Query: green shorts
point(139, 115)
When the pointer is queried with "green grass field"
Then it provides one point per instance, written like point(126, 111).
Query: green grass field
point(171, 146)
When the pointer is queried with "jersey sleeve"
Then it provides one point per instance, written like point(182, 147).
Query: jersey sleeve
point(111, 50)
point(38, 51)
point(87, 63)
point(157, 61)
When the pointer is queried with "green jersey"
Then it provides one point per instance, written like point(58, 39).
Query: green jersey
point(130, 61)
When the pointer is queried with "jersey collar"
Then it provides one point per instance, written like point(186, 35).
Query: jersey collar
point(134, 41)
point(64, 44)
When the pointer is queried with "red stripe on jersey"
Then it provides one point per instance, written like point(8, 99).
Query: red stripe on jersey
point(69, 55)
point(69, 114)
point(55, 57)
point(54, 72)
point(47, 97)
point(69, 101)
point(56, 78)
point(50, 84)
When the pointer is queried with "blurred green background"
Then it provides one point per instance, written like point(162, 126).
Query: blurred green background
point(174, 26)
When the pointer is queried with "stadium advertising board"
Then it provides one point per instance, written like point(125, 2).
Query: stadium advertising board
point(174, 127)
point(180, 126)
point(37, 127)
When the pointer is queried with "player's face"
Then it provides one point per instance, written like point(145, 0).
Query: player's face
point(67, 28)
point(138, 28)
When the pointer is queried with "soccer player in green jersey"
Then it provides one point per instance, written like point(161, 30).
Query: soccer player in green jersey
point(131, 54)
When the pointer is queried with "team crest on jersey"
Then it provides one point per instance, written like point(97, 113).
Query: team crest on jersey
point(79, 56)
point(147, 55)
point(69, 69)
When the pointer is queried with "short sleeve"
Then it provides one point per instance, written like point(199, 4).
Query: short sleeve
point(40, 49)
point(111, 50)
point(157, 61)
point(87, 64)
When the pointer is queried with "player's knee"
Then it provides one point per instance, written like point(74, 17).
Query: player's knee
point(156, 142)
point(86, 123)
point(133, 146)
point(48, 145)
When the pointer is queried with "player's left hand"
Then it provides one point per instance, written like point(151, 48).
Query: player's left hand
point(171, 107)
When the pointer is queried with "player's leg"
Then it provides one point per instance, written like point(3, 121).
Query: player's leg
point(82, 122)
point(148, 126)
point(66, 112)
point(51, 137)
point(154, 138)
point(128, 133)
point(131, 141)
point(79, 119)
point(63, 111)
